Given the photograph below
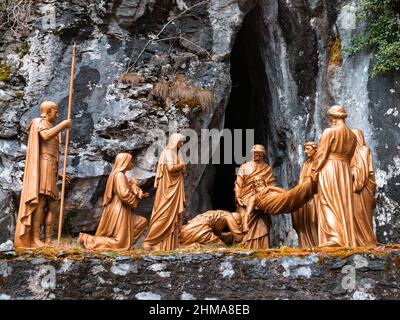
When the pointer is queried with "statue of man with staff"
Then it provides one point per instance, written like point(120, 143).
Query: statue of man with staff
point(39, 197)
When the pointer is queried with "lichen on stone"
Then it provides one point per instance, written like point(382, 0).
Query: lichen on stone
point(5, 72)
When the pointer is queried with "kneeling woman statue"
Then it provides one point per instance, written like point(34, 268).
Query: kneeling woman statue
point(118, 229)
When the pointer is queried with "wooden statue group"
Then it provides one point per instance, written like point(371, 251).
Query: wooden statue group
point(332, 204)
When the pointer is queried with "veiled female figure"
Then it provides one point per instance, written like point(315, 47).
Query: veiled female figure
point(364, 187)
point(305, 220)
point(335, 185)
point(169, 202)
point(118, 228)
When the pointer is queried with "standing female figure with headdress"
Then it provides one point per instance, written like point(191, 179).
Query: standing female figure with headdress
point(335, 185)
point(364, 187)
point(118, 229)
point(169, 202)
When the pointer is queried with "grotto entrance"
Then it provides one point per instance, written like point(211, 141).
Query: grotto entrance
point(248, 103)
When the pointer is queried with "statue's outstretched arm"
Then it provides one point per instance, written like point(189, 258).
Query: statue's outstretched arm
point(48, 134)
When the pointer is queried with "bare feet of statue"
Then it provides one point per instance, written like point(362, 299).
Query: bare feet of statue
point(37, 243)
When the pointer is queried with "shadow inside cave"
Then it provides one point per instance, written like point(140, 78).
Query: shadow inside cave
point(248, 106)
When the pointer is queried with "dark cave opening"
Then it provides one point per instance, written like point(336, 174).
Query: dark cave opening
point(248, 103)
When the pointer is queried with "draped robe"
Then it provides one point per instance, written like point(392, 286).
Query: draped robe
point(118, 228)
point(259, 224)
point(364, 187)
point(169, 203)
point(305, 220)
point(40, 177)
point(335, 187)
point(209, 227)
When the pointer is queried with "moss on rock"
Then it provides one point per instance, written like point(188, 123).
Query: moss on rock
point(5, 72)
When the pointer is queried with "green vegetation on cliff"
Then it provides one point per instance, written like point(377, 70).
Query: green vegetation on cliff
point(382, 34)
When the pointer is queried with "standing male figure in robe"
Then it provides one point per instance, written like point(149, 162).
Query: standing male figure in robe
point(39, 196)
point(335, 182)
point(169, 203)
point(364, 187)
point(305, 220)
point(258, 224)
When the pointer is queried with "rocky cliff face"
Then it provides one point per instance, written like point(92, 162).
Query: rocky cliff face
point(274, 66)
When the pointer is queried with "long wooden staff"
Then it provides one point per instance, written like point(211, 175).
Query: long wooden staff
point(71, 85)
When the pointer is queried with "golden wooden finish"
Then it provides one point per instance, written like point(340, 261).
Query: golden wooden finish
point(335, 182)
point(305, 220)
point(215, 227)
point(118, 229)
point(39, 195)
point(364, 187)
point(169, 202)
point(255, 225)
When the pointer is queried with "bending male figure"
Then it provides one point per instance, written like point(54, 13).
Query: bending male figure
point(217, 227)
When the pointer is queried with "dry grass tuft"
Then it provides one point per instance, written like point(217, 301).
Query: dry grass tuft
point(180, 91)
point(160, 90)
point(191, 103)
point(205, 97)
point(132, 79)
